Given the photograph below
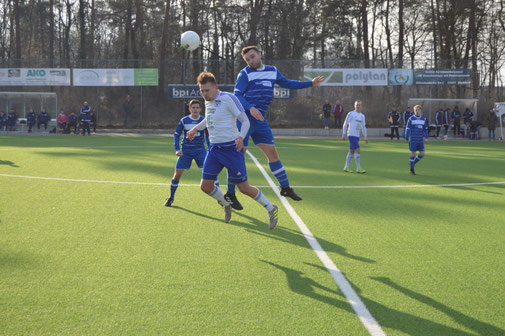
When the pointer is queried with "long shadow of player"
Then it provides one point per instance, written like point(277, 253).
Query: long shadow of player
point(482, 328)
point(388, 317)
point(294, 237)
point(8, 163)
point(198, 213)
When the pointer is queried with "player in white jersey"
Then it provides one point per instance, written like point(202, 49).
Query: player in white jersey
point(222, 110)
point(354, 124)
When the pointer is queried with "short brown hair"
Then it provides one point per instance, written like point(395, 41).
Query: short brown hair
point(245, 50)
point(195, 101)
point(206, 77)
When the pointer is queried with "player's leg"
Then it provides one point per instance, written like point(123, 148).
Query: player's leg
point(397, 133)
point(211, 169)
point(438, 131)
point(392, 131)
point(259, 197)
point(173, 186)
point(348, 161)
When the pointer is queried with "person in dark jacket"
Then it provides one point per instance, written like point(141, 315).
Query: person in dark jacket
point(492, 120)
point(445, 120)
point(438, 121)
point(12, 119)
point(326, 114)
point(31, 119)
point(456, 120)
point(394, 123)
point(72, 122)
point(43, 119)
point(467, 120)
point(3, 121)
point(85, 116)
point(128, 109)
point(338, 110)
point(93, 121)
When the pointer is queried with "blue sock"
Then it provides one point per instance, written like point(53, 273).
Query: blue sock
point(231, 186)
point(280, 173)
point(412, 158)
point(417, 159)
point(173, 188)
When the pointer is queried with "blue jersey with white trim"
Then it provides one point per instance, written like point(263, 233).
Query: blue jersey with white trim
point(255, 87)
point(186, 124)
point(417, 127)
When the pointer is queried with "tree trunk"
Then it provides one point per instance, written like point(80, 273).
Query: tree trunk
point(17, 29)
point(256, 8)
point(364, 18)
point(51, 33)
point(82, 32)
point(161, 87)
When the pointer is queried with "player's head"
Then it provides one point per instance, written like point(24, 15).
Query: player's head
point(252, 56)
point(208, 85)
point(418, 110)
point(85, 103)
point(195, 107)
point(357, 106)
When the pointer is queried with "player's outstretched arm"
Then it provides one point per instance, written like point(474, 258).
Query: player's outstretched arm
point(317, 81)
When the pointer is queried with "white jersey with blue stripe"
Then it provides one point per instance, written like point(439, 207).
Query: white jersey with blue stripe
point(255, 87)
point(221, 114)
point(354, 123)
point(417, 127)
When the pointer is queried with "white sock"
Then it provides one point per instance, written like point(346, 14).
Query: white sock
point(356, 158)
point(261, 199)
point(218, 194)
point(348, 160)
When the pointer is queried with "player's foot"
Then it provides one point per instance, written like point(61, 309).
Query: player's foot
point(169, 202)
point(273, 217)
point(289, 192)
point(412, 172)
point(232, 199)
point(348, 170)
point(360, 171)
point(227, 213)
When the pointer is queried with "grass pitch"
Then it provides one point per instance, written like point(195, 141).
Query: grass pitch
point(88, 258)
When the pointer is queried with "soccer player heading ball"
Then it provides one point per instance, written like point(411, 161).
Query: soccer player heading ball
point(417, 128)
point(255, 90)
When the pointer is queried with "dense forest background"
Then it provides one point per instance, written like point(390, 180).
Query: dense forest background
point(438, 34)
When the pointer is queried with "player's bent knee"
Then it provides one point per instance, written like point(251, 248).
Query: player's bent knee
point(207, 186)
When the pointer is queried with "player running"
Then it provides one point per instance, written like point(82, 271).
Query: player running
point(417, 127)
point(191, 150)
point(255, 90)
point(354, 124)
point(222, 110)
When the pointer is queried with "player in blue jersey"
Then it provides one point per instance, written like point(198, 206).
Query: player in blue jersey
point(191, 150)
point(416, 129)
point(255, 90)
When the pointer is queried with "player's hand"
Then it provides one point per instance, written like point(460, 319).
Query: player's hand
point(256, 114)
point(191, 134)
point(366, 141)
point(178, 153)
point(343, 137)
point(239, 143)
point(317, 81)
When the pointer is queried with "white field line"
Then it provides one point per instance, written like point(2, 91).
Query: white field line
point(359, 307)
point(268, 186)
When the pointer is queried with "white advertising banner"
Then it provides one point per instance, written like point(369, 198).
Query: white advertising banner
point(34, 77)
point(103, 77)
point(349, 77)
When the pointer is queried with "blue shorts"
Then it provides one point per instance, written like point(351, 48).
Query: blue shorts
point(416, 146)
point(184, 161)
point(353, 142)
point(259, 131)
point(221, 156)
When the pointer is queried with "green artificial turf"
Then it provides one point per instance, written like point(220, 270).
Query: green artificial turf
point(93, 258)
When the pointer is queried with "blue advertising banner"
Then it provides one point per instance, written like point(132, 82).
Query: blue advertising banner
point(180, 91)
point(443, 76)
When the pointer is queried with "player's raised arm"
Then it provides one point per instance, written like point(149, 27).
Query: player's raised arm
point(292, 84)
point(200, 127)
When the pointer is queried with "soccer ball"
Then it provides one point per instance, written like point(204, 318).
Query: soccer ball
point(190, 40)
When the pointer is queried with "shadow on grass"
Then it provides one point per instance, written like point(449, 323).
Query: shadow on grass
point(8, 163)
point(198, 213)
point(387, 317)
point(294, 237)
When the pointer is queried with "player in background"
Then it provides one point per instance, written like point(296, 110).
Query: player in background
point(222, 110)
point(354, 124)
point(417, 128)
point(255, 90)
point(191, 150)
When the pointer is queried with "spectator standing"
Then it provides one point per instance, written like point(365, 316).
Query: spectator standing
point(445, 120)
point(438, 121)
point(128, 109)
point(85, 118)
point(72, 122)
point(492, 120)
point(394, 122)
point(12, 119)
point(456, 120)
point(3, 121)
point(93, 122)
point(338, 110)
point(406, 115)
point(43, 119)
point(326, 114)
point(61, 121)
point(467, 120)
point(31, 119)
